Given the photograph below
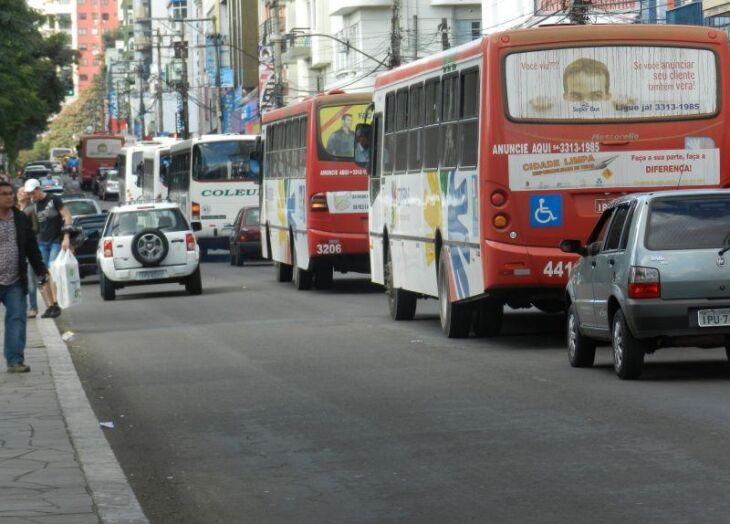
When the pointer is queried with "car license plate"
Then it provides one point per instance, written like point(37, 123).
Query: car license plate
point(149, 275)
point(713, 317)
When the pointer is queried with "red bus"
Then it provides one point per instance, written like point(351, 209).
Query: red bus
point(314, 198)
point(97, 151)
point(487, 155)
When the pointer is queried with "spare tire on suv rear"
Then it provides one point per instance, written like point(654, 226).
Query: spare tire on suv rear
point(150, 247)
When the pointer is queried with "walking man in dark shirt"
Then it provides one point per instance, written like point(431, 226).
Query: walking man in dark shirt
point(18, 246)
point(53, 222)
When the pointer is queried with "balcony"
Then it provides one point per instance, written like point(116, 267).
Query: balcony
point(345, 7)
point(298, 48)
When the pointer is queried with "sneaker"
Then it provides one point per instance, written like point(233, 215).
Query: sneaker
point(18, 368)
point(32, 313)
point(53, 311)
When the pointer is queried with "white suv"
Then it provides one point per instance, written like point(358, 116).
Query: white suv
point(147, 244)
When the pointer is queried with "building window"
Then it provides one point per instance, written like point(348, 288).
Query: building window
point(83, 47)
point(82, 31)
point(466, 31)
point(95, 31)
point(82, 16)
point(105, 16)
point(94, 16)
point(83, 78)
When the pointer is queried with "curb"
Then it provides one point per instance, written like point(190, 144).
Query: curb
point(114, 499)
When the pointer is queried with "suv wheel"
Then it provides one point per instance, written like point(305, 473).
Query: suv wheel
point(150, 247)
point(628, 352)
point(401, 303)
point(106, 287)
point(194, 283)
point(581, 349)
point(455, 318)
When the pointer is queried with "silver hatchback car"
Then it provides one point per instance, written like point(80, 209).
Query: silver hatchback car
point(653, 274)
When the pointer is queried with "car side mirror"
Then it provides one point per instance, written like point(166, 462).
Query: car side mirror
point(595, 248)
point(573, 246)
point(197, 226)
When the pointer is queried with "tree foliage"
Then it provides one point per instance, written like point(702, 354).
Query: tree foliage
point(29, 64)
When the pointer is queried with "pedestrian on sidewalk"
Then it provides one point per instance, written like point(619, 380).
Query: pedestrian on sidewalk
point(54, 221)
point(26, 206)
point(18, 246)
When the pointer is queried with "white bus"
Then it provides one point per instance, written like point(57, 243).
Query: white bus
point(131, 167)
point(212, 177)
point(157, 164)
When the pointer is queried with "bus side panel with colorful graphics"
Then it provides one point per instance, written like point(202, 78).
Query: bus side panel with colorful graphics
point(97, 151)
point(212, 178)
point(487, 155)
point(314, 205)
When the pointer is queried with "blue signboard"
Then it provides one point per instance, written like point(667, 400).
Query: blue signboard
point(546, 210)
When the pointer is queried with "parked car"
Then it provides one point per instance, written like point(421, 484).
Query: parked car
point(75, 196)
point(51, 184)
point(82, 207)
point(109, 187)
point(101, 175)
point(653, 274)
point(35, 171)
point(245, 237)
point(146, 244)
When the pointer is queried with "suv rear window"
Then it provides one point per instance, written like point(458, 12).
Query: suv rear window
point(132, 222)
point(689, 223)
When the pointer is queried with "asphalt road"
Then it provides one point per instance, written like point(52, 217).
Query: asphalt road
point(257, 403)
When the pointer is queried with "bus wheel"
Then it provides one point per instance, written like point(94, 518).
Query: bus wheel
point(301, 278)
point(283, 272)
point(455, 318)
point(323, 276)
point(488, 318)
point(401, 303)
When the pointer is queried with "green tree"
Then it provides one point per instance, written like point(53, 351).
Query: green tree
point(29, 63)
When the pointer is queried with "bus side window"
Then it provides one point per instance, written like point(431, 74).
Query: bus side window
point(389, 139)
point(469, 124)
point(449, 117)
point(401, 127)
point(432, 107)
point(302, 146)
point(415, 123)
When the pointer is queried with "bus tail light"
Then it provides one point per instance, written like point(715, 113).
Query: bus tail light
point(318, 202)
point(195, 211)
point(500, 221)
point(644, 282)
point(190, 241)
point(108, 249)
point(498, 198)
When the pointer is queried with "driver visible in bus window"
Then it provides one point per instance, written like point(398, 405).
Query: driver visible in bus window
point(340, 142)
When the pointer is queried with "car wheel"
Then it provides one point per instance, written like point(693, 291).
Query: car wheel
point(455, 318)
point(323, 276)
point(231, 257)
point(628, 352)
point(239, 257)
point(727, 352)
point(401, 303)
point(283, 272)
point(107, 288)
point(581, 349)
point(488, 317)
point(301, 278)
point(194, 283)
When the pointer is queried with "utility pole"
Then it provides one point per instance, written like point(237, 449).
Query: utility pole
point(219, 90)
point(140, 73)
point(444, 28)
point(277, 39)
point(395, 36)
point(160, 114)
point(579, 11)
point(415, 37)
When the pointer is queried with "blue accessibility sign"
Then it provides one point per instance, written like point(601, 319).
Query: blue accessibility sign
point(546, 210)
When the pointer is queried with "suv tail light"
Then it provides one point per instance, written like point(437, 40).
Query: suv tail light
point(195, 208)
point(108, 249)
point(318, 202)
point(644, 282)
point(190, 241)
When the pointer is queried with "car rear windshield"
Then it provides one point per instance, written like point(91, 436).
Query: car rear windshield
point(252, 218)
point(689, 223)
point(132, 222)
point(80, 207)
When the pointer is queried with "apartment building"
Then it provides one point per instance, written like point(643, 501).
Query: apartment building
point(93, 19)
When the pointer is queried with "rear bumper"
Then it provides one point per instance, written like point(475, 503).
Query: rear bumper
point(214, 242)
point(513, 266)
point(251, 249)
point(350, 243)
point(674, 321)
point(148, 275)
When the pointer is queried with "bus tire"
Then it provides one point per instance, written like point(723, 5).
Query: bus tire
point(401, 303)
point(323, 276)
point(302, 278)
point(455, 318)
point(488, 316)
point(283, 272)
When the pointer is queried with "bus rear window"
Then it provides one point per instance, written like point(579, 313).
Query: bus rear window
point(689, 223)
point(337, 130)
point(610, 83)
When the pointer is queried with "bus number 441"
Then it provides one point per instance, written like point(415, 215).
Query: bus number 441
point(557, 269)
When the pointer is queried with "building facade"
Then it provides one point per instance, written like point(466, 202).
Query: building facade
point(94, 18)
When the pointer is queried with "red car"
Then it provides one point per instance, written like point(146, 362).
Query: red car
point(245, 239)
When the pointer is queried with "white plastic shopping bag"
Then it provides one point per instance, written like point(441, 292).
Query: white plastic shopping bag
point(65, 274)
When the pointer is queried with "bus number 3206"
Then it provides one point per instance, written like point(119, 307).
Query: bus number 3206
point(557, 269)
point(329, 249)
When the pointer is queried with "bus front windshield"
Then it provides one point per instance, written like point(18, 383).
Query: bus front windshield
point(234, 160)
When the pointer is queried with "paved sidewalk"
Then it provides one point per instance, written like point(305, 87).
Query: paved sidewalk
point(55, 464)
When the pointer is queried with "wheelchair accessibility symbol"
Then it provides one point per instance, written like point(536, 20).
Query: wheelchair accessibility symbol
point(546, 210)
